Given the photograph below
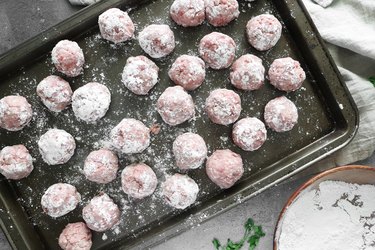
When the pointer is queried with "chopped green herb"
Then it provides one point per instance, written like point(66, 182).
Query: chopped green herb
point(252, 235)
point(372, 80)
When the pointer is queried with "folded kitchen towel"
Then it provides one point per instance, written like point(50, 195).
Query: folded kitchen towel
point(349, 27)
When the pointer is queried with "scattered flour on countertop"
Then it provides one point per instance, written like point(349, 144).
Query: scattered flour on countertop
point(335, 216)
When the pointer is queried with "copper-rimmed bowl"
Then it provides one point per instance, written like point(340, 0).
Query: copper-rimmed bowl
point(351, 174)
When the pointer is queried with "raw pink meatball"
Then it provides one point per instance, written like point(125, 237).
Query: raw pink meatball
point(223, 106)
point(55, 93)
point(189, 151)
point(91, 102)
point(217, 50)
point(180, 191)
point(101, 213)
point(286, 74)
point(175, 106)
point(280, 114)
point(115, 25)
point(59, 199)
point(15, 112)
point(157, 40)
point(130, 136)
point(221, 12)
point(68, 58)
point(224, 168)
point(56, 146)
point(15, 162)
point(140, 75)
point(188, 12)
point(249, 133)
point(263, 31)
point(101, 166)
point(247, 73)
point(75, 236)
point(188, 72)
point(138, 180)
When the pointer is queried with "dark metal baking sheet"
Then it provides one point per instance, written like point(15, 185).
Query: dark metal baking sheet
point(328, 120)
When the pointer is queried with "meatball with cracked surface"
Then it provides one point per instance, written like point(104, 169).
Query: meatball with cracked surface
point(101, 166)
point(281, 114)
point(247, 73)
point(157, 40)
point(249, 133)
point(75, 236)
point(15, 162)
point(221, 12)
point(188, 13)
point(189, 151)
point(68, 58)
point(224, 168)
point(15, 112)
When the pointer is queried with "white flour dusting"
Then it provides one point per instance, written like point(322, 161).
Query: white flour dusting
point(336, 216)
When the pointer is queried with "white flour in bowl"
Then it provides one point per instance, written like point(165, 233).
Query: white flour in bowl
point(336, 215)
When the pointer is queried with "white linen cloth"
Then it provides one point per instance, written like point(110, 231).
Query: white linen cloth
point(349, 28)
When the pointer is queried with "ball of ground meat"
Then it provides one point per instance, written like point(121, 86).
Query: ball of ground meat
point(101, 166)
point(263, 31)
point(91, 102)
point(217, 50)
point(221, 12)
point(280, 114)
point(59, 199)
point(140, 75)
point(188, 13)
point(179, 191)
point(115, 25)
point(249, 133)
point(15, 112)
point(224, 168)
point(175, 106)
point(101, 213)
point(138, 180)
point(75, 236)
point(247, 73)
point(130, 136)
point(189, 151)
point(68, 58)
point(223, 106)
point(286, 74)
point(157, 40)
point(56, 146)
point(188, 72)
point(15, 162)
point(55, 93)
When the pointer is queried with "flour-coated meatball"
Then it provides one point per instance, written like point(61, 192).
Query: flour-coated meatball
point(247, 73)
point(221, 12)
point(249, 133)
point(179, 191)
point(188, 72)
point(55, 93)
point(101, 166)
point(188, 13)
point(224, 168)
point(189, 151)
point(286, 74)
point(223, 106)
point(56, 146)
point(68, 58)
point(130, 136)
point(140, 75)
point(263, 31)
point(15, 112)
point(15, 162)
point(280, 114)
point(91, 102)
point(157, 40)
point(75, 236)
point(101, 213)
point(175, 106)
point(217, 50)
point(138, 180)
point(60, 199)
point(115, 25)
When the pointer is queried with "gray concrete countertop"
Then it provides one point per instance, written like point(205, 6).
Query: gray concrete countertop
point(22, 19)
